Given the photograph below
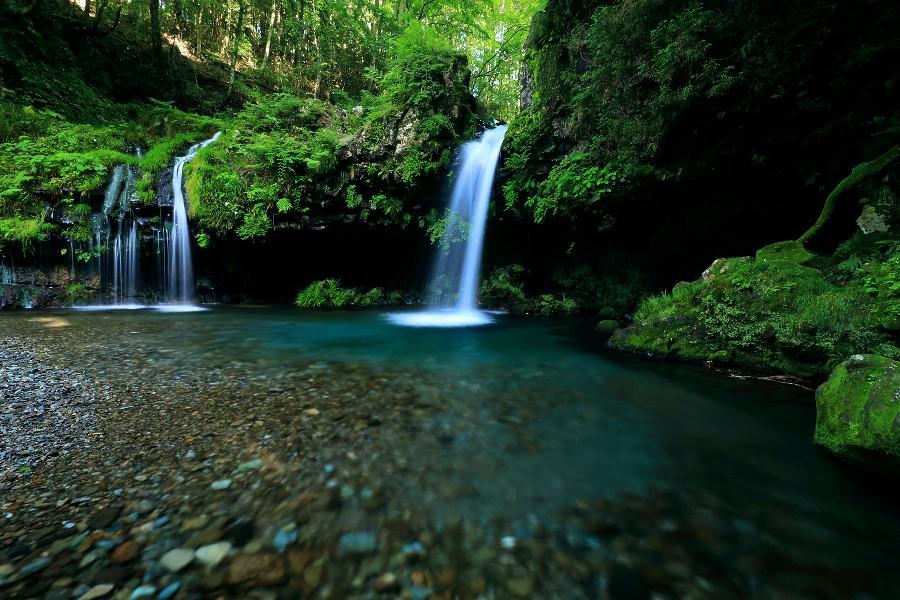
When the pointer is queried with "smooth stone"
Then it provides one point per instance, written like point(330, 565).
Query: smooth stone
point(34, 566)
point(125, 552)
point(105, 517)
point(213, 554)
point(262, 569)
point(251, 465)
point(508, 542)
point(358, 542)
point(144, 591)
point(98, 591)
point(195, 523)
point(169, 591)
point(221, 484)
point(177, 559)
point(284, 538)
point(386, 583)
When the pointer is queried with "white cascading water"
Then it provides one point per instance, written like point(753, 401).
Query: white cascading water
point(181, 271)
point(455, 281)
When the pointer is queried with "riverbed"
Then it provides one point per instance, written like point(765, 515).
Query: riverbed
point(337, 455)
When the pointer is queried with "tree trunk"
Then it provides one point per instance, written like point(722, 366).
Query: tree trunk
point(269, 37)
point(862, 173)
point(198, 34)
point(154, 29)
point(237, 43)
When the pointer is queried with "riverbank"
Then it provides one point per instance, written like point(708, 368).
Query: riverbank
point(284, 465)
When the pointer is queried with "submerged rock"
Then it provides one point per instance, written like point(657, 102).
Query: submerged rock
point(858, 412)
point(607, 326)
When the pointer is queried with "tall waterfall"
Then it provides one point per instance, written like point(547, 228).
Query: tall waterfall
point(180, 286)
point(455, 280)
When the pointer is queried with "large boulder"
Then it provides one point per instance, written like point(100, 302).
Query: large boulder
point(858, 412)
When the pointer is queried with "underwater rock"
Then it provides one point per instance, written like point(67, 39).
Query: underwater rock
point(858, 412)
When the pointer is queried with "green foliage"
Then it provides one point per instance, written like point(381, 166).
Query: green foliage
point(504, 288)
point(448, 230)
point(23, 231)
point(573, 185)
point(771, 312)
point(328, 293)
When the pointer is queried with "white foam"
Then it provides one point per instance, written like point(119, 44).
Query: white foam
point(99, 307)
point(178, 308)
point(441, 318)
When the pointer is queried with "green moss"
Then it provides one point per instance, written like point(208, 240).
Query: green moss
point(858, 410)
point(768, 313)
point(789, 251)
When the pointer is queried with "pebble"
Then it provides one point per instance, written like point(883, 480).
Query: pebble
point(34, 566)
point(143, 591)
point(212, 554)
point(284, 538)
point(508, 542)
point(359, 542)
point(251, 465)
point(221, 484)
point(98, 591)
point(177, 559)
point(386, 583)
point(169, 591)
point(125, 552)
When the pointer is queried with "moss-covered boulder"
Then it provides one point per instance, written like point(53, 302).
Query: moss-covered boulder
point(782, 310)
point(858, 412)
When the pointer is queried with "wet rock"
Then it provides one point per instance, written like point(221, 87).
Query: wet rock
point(212, 554)
point(34, 566)
point(143, 591)
point(359, 542)
point(284, 538)
point(259, 569)
point(98, 591)
point(105, 517)
point(125, 552)
point(177, 559)
point(169, 591)
point(386, 583)
point(251, 465)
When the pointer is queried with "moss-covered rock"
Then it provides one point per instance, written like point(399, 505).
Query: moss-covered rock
point(773, 312)
point(858, 412)
point(607, 326)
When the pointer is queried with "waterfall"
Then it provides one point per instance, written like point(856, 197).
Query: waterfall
point(455, 280)
point(181, 274)
point(116, 240)
point(114, 189)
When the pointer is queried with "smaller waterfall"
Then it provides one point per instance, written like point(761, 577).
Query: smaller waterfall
point(116, 241)
point(7, 274)
point(181, 270)
point(125, 269)
point(114, 189)
point(455, 281)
